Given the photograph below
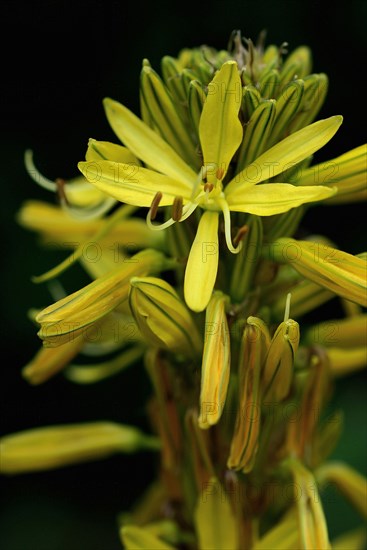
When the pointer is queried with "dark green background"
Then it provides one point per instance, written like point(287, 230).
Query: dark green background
point(59, 60)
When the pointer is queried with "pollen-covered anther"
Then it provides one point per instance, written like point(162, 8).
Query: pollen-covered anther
point(60, 186)
point(177, 209)
point(240, 234)
point(220, 173)
point(208, 187)
point(154, 206)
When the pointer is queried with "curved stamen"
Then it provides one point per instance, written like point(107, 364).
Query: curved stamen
point(240, 234)
point(187, 210)
point(35, 174)
point(88, 213)
point(222, 203)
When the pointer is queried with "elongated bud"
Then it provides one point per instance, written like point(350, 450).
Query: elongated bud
point(350, 483)
point(58, 446)
point(257, 132)
point(214, 520)
point(287, 106)
point(250, 100)
point(347, 173)
point(196, 100)
point(278, 369)
point(49, 361)
point(311, 519)
point(216, 361)
point(172, 75)
point(301, 431)
point(162, 317)
point(284, 536)
point(315, 90)
point(269, 84)
point(246, 261)
point(254, 347)
point(68, 318)
point(340, 272)
point(164, 116)
point(297, 65)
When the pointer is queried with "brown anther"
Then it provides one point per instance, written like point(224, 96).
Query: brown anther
point(220, 173)
point(60, 183)
point(177, 209)
point(208, 187)
point(240, 234)
point(154, 206)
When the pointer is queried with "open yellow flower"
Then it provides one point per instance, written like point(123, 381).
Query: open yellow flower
point(170, 181)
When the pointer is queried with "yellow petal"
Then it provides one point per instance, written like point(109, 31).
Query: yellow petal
point(285, 154)
point(202, 264)
point(214, 520)
point(133, 184)
point(146, 144)
point(138, 538)
point(220, 129)
point(268, 199)
point(49, 361)
point(104, 150)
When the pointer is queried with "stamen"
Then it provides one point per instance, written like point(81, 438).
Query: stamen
point(222, 203)
point(177, 209)
point(287, 307)
point(60, 186)
point(154, 206)
point(208, 187)
point(220, 173)
point(240, 234)
point(89, 213)
point(187, 210)
point(35, 174)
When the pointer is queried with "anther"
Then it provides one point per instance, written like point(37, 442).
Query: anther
point(154, 206)
point(177, 209)
point(208, 187)
point(60, 186)
point(240, 234)
point(220, 173)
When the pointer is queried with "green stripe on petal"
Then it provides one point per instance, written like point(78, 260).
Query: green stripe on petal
point(220, 129)
point(285, 154)
point(145, 143)
point(268, 199)
point(133, 184)
point(202, 265)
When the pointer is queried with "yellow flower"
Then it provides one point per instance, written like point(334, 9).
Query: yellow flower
point(170, 181)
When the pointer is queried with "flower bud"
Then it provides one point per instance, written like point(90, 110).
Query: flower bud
point(254, 346)
point(58, 446)
point(69, 317)
point(162, 317)
point(216, 362)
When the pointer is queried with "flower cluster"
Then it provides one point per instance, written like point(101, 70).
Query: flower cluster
point(209, 292)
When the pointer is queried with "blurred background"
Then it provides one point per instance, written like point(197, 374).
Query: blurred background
point(59, 60)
